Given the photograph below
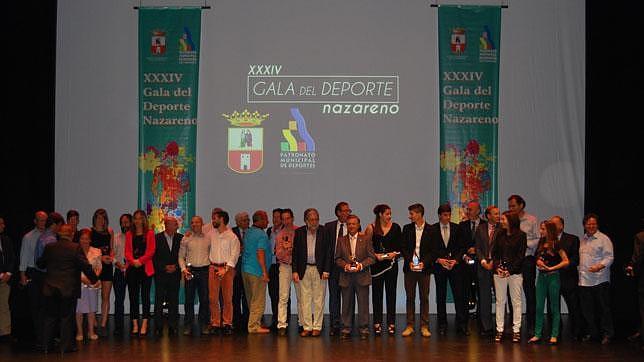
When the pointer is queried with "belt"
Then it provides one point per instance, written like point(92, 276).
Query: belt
point(309, 264)
point(218, 264)
point(198, 268)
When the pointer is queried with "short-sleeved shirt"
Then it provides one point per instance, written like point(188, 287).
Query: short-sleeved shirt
point(255, 239)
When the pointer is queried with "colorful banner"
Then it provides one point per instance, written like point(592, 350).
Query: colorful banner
point(469, 38)
point(169, 41)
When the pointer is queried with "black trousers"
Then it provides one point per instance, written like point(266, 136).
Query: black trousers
point(595, 302)
point(240, 304)
point(529, 273)
point(470, 285)
point(59, 312)
point(640, 294)
point(138, 282)
point(575, 318)
point(455, 278)
point(388, 281)
point(167, 289)
point(36, 303)
point(120, 285)
point(198, 284)
point(335, 296)
point(484, 306)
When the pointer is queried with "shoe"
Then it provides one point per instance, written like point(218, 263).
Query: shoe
point(516, 337)
point(187, 331)
point(281, 332)
point(260, 330)
point(334, 332)
point(300, 329)
point(605, 340)
point(93, 337)
point(158, 332)
point(364, 334)
point(144, 328)
point(586, 338)
point(214, 330)
point(463, 331)
point(305, 333)
point(534, 340)
point(409, 330)
point(71, 349)
point(391, 329)
point(553, 341)
point(442, 330)
point(487, 333)
point(498, 337)
point(79, 337)
point(205, 330)
point(345, 335)
point(135, 328)
point(228, 330)
point(424, 331)
point(377, 330)
point(118, 331)
point(634, 337)
point(172, 331)
point(316, 333)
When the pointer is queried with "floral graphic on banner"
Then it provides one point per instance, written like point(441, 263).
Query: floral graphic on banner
point(170, 183)
point(469, 169)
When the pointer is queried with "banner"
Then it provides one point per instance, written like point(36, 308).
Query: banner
point(169, 40)
point(469, 38)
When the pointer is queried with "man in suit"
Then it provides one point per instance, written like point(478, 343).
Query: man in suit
point(636, 269)
point(354, 254)
point(311, 267)
point(417, 268)
point(448, 251)
point(467, 231)
point(64, 261)
point(167, 276)
point(8, 265)
point(274, 269)
point(569, 276)
point(484, 238)
point(240, 304)
point(334, 230)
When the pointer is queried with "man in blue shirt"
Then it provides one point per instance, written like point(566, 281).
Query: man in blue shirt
point(256, 253)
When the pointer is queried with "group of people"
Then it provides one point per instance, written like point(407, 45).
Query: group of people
point(67, 271)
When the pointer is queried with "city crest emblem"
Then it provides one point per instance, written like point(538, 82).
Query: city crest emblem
point(158, 42)
point(458, 41)
point(245, 141)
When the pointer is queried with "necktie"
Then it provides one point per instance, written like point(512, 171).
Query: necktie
point(491, 232)
point(340, 233)
point(445, 238)
point(473, 229)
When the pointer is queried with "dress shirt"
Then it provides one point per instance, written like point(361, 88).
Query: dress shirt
point(311, 238)
point(194, 250)
point(594, 249)
point(337, 230)
point(445, 233)
point(168, 239)
point(419, 235)
point(28, 249)
point(530, 226)
point(224, 247)
point(353, 240)
point(272, 238)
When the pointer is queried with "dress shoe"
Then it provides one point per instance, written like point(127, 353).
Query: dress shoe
point(334, 332)
point(281, 332)
point(187, 331)
point(305, 333)
point(487, 333)
point(364, 334)
point(70, 350)
point(463, 332)
point(587, 338)
point(260, 330)
point(205, 330)
point(605, 340)
point(316, 333)
point(409, 330)
point(158, 332)
point(214, 331)
point(172, 331)
point(442, 330)
point(424, 331)
point(634, 337)
point(345, 335)
point(228, 330)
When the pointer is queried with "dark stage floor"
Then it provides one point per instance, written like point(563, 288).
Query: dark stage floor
point(272, 347)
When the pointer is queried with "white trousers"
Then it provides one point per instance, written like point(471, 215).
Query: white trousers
point(515, 283)
point(312, 291)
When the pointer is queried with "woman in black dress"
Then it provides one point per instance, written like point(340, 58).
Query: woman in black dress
point(103, 239)
point(386, 237)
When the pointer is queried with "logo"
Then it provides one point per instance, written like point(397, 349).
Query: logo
point(245, 141)
point(487, 49)
point(297, 151)
point(158, 42)
point(187, 48)
point(458, 41)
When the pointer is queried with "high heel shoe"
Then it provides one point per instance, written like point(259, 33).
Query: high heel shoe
point(144, 328)
point(534, 340)
point(135, 328)
point(391, 330)
point(553, 341)
point(377, 329)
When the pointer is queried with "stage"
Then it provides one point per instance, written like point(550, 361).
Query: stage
point(324, 348)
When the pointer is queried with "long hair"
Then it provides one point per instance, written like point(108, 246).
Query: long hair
point(103, 213)
point(551, 237)
point(145, 222)
point(514, 223)
point(378, 210)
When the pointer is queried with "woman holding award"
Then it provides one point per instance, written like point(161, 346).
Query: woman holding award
point(386, 238)
point(508, 252)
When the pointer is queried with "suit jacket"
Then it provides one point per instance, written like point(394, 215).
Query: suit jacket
point(331, 236)
point(569, 276)
point(455, 245)
point(364, 254)
point(64, 261)
point(482, 241)
point(323, 258)
point(8, 258)
point(164, 256)
point(409, 247)
point(465, 232)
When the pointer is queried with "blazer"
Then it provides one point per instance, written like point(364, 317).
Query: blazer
point(569, 275)
point(482, 241)
point(455, 244)
point(323, 258)
point(163, 255)
point(331, 235)
point(8, 258)
point(409, 247)
point(511, 249)
point(364, 254)
point(64, 261)
point(465, 232)
point(146, 259)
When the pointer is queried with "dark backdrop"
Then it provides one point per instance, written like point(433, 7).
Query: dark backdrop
point(613, 137)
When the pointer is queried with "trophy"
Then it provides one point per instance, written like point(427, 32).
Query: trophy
point(189, 274)
point(504, 266)
point(354, 264)
point(416, 263)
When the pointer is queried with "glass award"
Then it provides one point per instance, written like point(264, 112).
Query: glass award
point(416, 263)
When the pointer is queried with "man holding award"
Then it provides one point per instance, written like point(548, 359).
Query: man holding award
point(354, 255)
point(417, 268)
